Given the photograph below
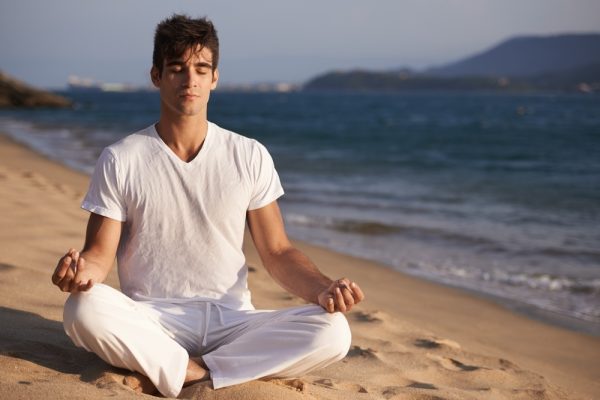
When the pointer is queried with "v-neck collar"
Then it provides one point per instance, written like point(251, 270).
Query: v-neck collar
point(196, 160)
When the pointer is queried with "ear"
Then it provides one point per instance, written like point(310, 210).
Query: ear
point(213, 86)
point(155, 76)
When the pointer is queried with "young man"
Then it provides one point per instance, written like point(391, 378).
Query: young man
point(171, 202)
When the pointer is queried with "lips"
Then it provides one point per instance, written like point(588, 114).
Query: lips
point(188, 98)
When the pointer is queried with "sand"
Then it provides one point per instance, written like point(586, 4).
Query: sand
point(412, 339)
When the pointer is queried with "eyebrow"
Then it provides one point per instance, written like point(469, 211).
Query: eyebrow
point(201, 64)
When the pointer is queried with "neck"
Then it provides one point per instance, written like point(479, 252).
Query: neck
point(184, 135)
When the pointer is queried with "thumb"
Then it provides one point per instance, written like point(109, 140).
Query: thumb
point(79, 268)
point(326, 301)
point(330, 304)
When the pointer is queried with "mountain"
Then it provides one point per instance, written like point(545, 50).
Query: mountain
point(569, 62)
point(527, 56)
point(359, 80)
point(14, 93)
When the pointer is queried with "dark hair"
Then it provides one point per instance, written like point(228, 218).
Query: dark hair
point(176, 34)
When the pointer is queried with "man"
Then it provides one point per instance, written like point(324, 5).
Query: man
point(171, 202)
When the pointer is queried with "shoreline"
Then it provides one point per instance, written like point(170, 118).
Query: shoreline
point(525, 309)
point(522, 308)
point(565, 358)
point(518, 307)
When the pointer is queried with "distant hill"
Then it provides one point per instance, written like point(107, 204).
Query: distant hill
point(527, 56)
point(14, 93)
point(561, 62)
point(392, 81)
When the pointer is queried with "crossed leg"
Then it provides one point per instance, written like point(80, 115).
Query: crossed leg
point(286, 343)
point(106, 322)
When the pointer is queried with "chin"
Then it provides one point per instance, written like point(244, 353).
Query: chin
point(187, 113)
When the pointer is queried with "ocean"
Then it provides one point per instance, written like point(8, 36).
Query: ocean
point(498, 194)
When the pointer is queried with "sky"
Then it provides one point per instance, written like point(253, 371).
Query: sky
point(44, 42)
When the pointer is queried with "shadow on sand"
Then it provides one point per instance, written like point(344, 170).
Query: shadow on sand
point(33, 338)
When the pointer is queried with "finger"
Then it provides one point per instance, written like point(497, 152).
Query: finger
point(78, 265)
point(65, 282)
point(344, 283)
point(68, 275)
point(335, 284)
point(61, 269)
point(339, 299)
point(348, 299)
point(332, 286)
point(326, 301)
point(87, 286)
point(343, 286)
point(71, 253)
point(330, 305)
point(75, 261)
point(73, 272)
point(357, 293)
point(81, 267)
point(83, 286)
point(62, 265)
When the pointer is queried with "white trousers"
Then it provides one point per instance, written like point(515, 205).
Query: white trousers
point(157, 338)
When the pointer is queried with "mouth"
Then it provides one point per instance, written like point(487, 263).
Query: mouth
point(188, 95)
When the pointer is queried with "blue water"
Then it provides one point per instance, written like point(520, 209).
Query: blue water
point(496, 193)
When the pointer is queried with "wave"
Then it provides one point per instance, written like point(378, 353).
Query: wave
point(439, 205)
point(377, 228)
point(65, 145)
point(546, 282)
point(561, 294)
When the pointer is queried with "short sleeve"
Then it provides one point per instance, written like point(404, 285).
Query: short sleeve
point(103, 196)
point(266, 185)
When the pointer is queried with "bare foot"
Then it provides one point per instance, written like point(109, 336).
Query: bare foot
point(196, 372)
point(140, 383)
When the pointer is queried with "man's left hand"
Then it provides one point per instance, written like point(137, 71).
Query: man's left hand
point(341, 295)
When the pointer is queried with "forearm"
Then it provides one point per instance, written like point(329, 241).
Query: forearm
point(292, 269)
point(296, 273)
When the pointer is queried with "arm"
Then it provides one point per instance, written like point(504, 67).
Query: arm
point(79, 272)
point(292, 269)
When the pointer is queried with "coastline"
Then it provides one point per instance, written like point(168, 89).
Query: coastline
point(37, 229)
point(488, 222)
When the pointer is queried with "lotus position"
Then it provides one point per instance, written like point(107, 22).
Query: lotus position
point(171, 202)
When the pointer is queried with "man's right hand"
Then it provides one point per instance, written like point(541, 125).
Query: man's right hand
point(72, 274)
point(76, 274)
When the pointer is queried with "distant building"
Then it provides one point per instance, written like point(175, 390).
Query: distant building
point(76, 83)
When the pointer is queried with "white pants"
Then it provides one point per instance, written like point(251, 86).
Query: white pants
point(157, 338)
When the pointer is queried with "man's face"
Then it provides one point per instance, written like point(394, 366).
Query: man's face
point(186, 82)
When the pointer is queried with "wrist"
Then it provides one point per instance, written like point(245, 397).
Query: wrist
point(96, 271)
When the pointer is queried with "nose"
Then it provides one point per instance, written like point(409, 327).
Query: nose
point(189, 77)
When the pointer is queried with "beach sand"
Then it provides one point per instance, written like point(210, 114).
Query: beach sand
point(411, 339)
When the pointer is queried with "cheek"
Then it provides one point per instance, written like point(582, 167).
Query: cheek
point(169, 84)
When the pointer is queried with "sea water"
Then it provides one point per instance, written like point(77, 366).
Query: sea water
point(494, 193)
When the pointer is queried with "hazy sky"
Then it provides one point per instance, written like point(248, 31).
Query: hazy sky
point(43, 42)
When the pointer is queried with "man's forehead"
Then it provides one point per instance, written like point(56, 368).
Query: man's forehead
point(194, 55)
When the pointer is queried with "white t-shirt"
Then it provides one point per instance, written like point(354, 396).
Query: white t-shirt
point(184, 222)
